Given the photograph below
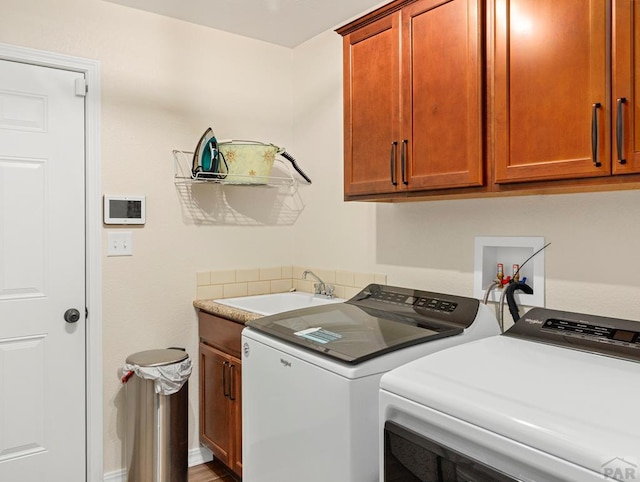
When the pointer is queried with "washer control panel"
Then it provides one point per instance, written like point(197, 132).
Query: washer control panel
point(393, 300)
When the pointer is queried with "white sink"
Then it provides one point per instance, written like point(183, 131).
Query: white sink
point(277, 302)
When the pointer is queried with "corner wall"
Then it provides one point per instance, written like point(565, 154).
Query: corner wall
point(164, 82)
point(591, 265)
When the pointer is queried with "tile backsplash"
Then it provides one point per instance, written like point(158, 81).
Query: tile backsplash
point(259, 281)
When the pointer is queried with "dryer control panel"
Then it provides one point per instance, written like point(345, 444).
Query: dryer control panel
point(596, 334)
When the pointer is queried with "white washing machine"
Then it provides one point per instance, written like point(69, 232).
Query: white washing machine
point(310, 378)
point(556, 398)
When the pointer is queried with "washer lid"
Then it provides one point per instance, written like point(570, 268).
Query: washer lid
point(378, 320)
point(157, 358)
point(349, 333)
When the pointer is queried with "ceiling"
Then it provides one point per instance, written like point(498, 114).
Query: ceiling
point(281, 22)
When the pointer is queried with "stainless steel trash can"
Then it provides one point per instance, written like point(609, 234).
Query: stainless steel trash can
point(156, 432)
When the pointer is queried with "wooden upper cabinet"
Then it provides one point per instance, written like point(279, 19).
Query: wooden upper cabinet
point(371, 106)
point(413, 98)
point(442, 94)
point(625, 86)
point(552, 109)
point(467, 97)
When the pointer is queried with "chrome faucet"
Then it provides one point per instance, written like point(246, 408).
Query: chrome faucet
point(320, 288)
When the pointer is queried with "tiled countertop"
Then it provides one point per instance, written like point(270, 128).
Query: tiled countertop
point(210, 306)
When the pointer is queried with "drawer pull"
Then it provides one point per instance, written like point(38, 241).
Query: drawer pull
point(620, 131)
point(392, 162)
point(224, 378)
point(405, 143)
point(595, 138)
point(231, 377)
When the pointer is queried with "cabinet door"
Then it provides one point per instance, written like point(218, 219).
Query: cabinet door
point(442, 94)
point(215, 425)
point(626, 85)
point(371, 107)
point(552, 113)
point(235, 370)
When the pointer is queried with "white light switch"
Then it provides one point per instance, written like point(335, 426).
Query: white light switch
point(120, 243)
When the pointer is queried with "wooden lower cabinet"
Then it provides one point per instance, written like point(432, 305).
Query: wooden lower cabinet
point(221, 398)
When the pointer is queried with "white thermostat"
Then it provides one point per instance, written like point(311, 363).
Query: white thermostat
point(124, 209)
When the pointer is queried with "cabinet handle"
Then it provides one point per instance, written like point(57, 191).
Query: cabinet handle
point(224, 378)
point(392, 162)
point(231, 371)
point(595, 134)
point(403, 161)
point(620, 131)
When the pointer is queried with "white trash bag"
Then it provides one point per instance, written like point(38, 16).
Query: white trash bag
point(168, 379)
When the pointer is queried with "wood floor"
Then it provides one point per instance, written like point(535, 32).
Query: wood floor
point(212, 471)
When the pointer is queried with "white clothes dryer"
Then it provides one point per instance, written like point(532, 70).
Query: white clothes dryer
point(555, 398)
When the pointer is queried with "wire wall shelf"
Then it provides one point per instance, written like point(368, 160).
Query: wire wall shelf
point(183, 174)
point(211, 201)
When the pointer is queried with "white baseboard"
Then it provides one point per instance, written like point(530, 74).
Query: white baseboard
point(117, 476)
point(198, 456)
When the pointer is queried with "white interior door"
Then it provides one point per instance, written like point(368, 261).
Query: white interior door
point(42, 275)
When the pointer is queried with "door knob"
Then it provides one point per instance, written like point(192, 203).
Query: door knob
point(71, 315)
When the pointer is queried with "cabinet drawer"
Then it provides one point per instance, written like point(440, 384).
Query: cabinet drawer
point(220, 332)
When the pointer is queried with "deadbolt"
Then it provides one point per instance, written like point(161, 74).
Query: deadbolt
point(71, 315)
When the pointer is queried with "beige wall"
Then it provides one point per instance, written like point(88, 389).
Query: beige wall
point(591, 266)
point(165, 81)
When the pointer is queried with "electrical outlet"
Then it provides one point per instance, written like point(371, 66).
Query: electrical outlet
point(119, 243)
